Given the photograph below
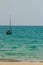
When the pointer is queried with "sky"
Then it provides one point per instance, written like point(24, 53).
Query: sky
point(22, 12)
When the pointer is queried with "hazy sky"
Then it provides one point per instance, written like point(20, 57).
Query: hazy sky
point(23, 12)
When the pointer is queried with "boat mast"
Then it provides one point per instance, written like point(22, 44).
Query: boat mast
point(10, 22)
point(10, 30)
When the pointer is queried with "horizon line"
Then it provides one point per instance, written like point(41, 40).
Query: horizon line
point(21, 25)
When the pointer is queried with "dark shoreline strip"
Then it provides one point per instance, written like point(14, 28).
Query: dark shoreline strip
point(9, 60)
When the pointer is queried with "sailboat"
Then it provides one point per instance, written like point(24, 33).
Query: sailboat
point(10, 29)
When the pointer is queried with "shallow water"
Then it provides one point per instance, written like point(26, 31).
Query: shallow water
point(25, 43)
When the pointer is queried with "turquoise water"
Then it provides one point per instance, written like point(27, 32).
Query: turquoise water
point(25, 43)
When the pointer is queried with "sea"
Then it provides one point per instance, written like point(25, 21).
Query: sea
point(25, 43)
